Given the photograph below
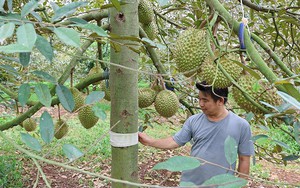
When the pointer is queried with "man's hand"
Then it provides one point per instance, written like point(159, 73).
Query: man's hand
point(164, 143)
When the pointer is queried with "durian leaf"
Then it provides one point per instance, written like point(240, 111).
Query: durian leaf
point(9, 68)
point(46, 127)
point(44, 47)
point(269, 105)
point(54, 6)
point(230, 149)
point(289, 99)
point(72, 152)
point(94, 28)
point(186, 184)
point(43, 93)
point(29, 7)
point(163, 2)
point(256, 137)
point(26, 35)
point(99, 112)
point(24, 94)
point(93, 97)
point(178, 163)
point(291, 158)
point(65, 97)
point(226, 181)
point(45, 76)
point(78, 21)
point(68, 35)
point(67, 10)
point(13, 48)
point(284, 145)
point(1, 5)
point(249, 116)
point(31, 142)
point(24, 58)
point(37, 16)
point(6, 30)
point(116, 4)
point(9, 5)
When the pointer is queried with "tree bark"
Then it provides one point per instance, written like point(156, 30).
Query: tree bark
point(123, 84)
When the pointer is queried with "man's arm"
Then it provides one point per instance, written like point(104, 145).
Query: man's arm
point(164, 143)
point(244, 166)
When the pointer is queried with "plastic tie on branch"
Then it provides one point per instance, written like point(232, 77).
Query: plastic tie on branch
point(123, 139)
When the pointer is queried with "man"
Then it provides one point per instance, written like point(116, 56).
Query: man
point(208, 131)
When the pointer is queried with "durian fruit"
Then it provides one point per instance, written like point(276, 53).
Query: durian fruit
point(106, 91)
point(151, 30)
point(78, 98)
point(87, 117)
point(146, 97)
point(60, 128)
point(259, 90)
point(145, 12)
point(166, 103)
point(211, 73)
point(29, 124)
point(190, 50)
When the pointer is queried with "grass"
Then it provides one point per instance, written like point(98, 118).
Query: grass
point(10, 172)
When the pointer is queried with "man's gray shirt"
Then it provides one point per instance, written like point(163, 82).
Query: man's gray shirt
point(208, 138)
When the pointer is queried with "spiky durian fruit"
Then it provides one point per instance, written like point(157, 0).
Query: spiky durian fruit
point(146, 97)
point(166, 103)
point(106, 91)
point(87, 117)
point(258, 90)
point(29, 124)
point(190, 50)
point(151, 30)
point(145, 12)
point(78, 98)
point(211, 73)
point(60, 129)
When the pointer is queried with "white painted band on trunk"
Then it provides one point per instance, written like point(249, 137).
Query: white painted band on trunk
point(123, 140)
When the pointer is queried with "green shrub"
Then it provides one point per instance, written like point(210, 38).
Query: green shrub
point(10, 172)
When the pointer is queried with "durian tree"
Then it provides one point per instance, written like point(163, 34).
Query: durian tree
point(185, 41)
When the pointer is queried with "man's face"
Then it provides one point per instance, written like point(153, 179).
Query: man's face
point(208, 105)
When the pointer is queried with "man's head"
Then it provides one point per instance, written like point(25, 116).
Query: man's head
point(210, 99)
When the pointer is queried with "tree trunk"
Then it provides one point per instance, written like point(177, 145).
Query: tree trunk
point(123, 87)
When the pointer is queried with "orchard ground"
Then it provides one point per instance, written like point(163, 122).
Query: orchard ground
point(264, 174)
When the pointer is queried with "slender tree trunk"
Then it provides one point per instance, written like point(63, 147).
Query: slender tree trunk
point(123, 87)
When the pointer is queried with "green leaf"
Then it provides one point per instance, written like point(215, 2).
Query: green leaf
point(99, 111)
point(37, 16)
point(249, 116)
point(163, 2)
point(65, 97)
point(178, 163)
point(289, 99)
point(24, 58)
point(269, 105)
point(259, 136)
point(226, 181)
point(94, 28)
point(26, 35)
point(31, 142)
point(68, 36)
point(29, 7)
point(78, 21)
point(186, 184)
point(116, 4)
point(291, 158)
point(13, 48)
point(45, 76)
point(46, 127)
point(281, 144)
point(9, 5)
point(44, 47)
point(71, 152)
point(67, 10)
point(93, 97)
point(1, 5)
point(6, 30)
point(230, 148)
point(43, 93)
point(24, 94)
